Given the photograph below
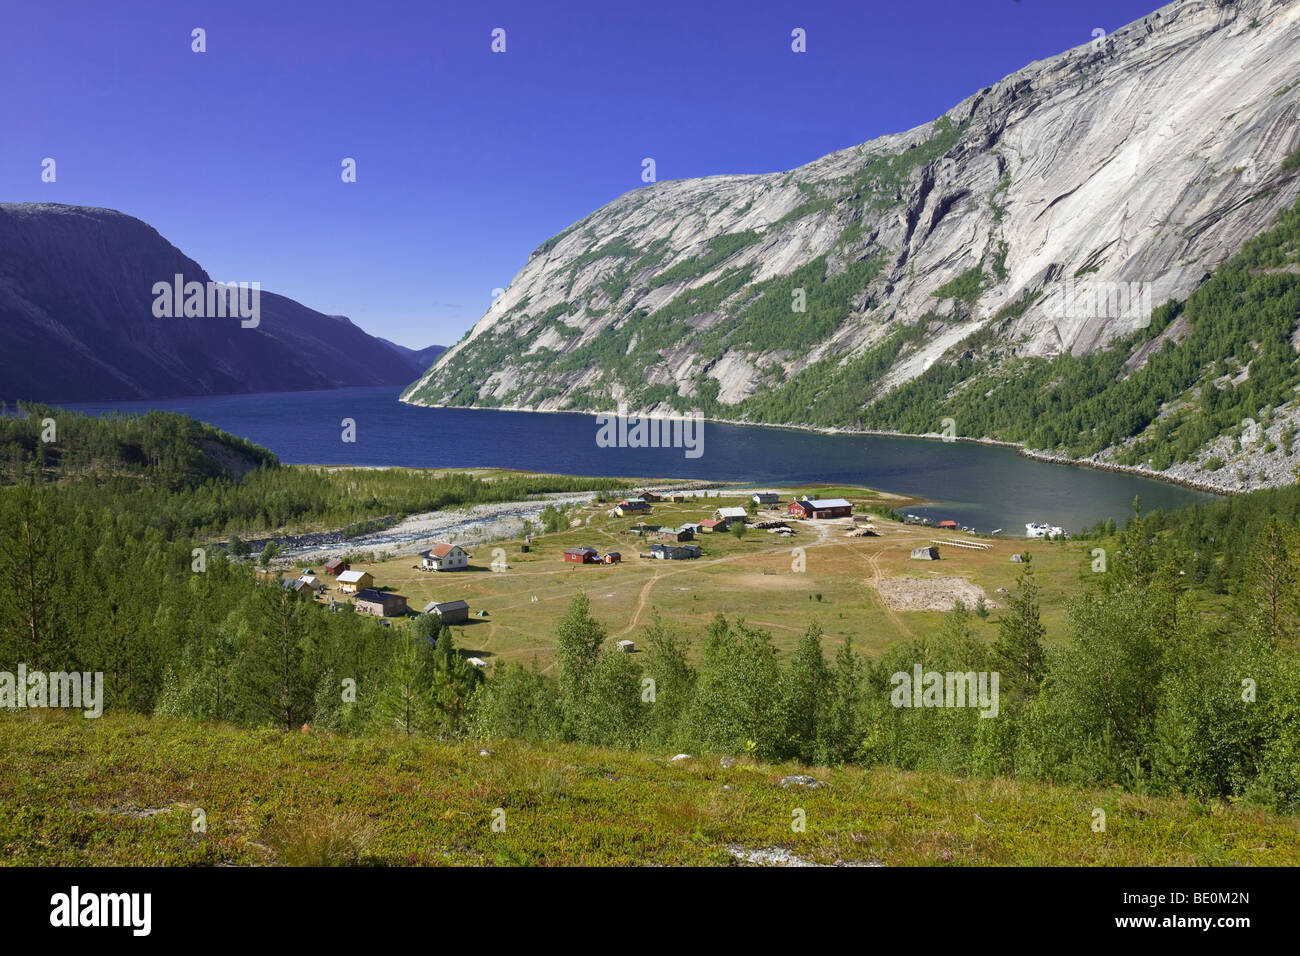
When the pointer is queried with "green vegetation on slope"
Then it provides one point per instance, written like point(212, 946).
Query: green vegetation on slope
point(1241, 319)
point(76, 793)
point(180, 477)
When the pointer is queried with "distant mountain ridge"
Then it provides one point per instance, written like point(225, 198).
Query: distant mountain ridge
point(76, 315)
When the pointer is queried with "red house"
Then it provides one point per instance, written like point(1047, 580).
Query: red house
point(336, 566)
point(950, 525)
point(820, 508)
point(581, 555)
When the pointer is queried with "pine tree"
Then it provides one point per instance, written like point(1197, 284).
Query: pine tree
point(805, 696)
point(453, 682)
point(1019, 644)
point(403, 702)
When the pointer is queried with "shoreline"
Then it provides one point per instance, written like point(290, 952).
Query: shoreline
point(1018, 447)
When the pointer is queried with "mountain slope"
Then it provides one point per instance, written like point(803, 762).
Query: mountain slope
point(421, 359)
point(1149, 156)
point(76, 310)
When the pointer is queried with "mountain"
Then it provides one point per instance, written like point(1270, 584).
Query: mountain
point(419, 359)
point(1041, 220)
point(77, 317)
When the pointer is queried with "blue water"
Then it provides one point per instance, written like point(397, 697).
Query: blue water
point(985, 487)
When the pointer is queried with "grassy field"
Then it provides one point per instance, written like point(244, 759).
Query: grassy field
point(124, 790)
point(753, 577)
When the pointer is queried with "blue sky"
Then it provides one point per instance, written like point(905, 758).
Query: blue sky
point(466, 159)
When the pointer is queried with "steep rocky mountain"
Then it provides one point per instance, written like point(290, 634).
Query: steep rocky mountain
point(1040, 219)
point(77, 320)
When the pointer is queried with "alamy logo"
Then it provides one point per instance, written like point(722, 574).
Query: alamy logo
point(211, 300)
point(82, 690)
point(953, 689)
point(620, 430)
point(75, 908)
point(1105, 300)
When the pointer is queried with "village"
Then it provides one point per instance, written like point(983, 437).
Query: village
point(846, 557)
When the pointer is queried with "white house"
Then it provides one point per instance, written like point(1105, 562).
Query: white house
point(731, 514)
point(445, 557)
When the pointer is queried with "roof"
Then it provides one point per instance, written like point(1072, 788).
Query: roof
point(370, 594)
point(710, 523)
point(733, 512)
point(820, 503)
point(445, 606)
point(351, 577)
point(580, 551)
point(441, 550)
point(333, 562)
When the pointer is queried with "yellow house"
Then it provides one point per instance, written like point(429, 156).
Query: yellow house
point(353, 581)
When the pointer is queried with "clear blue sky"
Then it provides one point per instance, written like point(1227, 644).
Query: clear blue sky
point(467, 159)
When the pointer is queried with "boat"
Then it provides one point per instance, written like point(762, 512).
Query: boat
point(1034, 529)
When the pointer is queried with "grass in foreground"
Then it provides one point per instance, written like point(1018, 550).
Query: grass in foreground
point(126, 790)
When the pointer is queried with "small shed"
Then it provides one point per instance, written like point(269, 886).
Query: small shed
point(335, 566)
point(928, 553)
point(451, 612)
point(352, 581)
point(613, 557)
point(627, 647)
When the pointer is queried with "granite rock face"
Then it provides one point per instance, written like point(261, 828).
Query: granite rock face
point(1098, 181)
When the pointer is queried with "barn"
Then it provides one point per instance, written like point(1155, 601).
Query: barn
point(821, 508)
point(379, 603)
